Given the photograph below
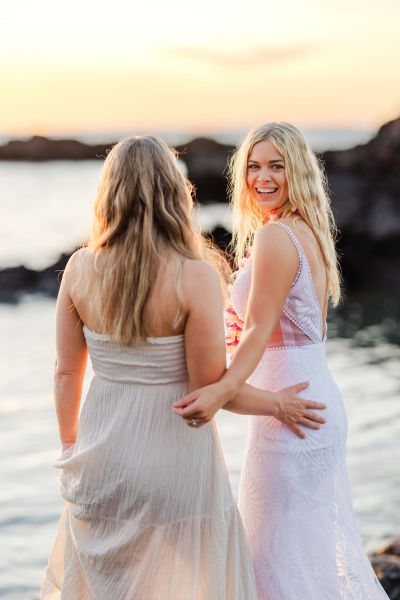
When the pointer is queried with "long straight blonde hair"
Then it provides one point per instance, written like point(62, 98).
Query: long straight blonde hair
point(307, 190)
point(142, 217)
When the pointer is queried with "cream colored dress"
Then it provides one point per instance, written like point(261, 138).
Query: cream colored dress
point(149, 512)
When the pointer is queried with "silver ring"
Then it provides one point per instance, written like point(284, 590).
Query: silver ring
point(193, 422)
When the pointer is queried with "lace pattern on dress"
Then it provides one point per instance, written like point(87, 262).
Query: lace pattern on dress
point(300, 323)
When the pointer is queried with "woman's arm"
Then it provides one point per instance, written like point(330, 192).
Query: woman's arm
point(71, 357)
point(274, 265)
point(285, 405)
point(206, 361)
point(204, 329)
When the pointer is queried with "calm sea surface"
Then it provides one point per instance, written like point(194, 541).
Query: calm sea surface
point(45, 209)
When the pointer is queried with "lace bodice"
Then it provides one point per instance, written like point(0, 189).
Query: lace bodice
point(301, 322)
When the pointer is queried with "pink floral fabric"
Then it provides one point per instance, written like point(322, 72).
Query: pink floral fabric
point(234, 327)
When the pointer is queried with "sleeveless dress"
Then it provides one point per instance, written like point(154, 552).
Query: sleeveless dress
point(149, 511)
point(294, 494)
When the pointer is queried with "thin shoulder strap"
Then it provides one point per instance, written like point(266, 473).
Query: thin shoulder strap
point(291, 234)
point(303, 261)
point(297, 245)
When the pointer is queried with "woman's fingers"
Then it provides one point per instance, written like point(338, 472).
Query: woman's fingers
point(195, 420)
point(308, 423)
point(191, 416)
point(194, 415)
point(298, 387)
point(180, 410)
point(199, 423)
point(314, 405)
point(188, 399)
point(297, 430)
point(314, 417)
point(188, 412)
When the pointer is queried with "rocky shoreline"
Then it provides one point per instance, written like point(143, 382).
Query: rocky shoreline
point(364, 184)
point(386, 563)
point(17, 281)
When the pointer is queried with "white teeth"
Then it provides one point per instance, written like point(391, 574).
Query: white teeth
point(266, 190)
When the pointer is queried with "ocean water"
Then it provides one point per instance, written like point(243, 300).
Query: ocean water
point(45, 209)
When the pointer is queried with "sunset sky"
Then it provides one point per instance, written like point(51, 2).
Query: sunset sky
point(89, 66)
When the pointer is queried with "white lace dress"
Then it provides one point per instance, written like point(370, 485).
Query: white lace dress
point(149, 513)
point(294, 494)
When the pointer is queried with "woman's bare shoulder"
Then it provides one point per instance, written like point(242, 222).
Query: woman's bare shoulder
point(273, 246)
point(201, 287)
point(200, 279)
point(272, 237)
point(79, 264)
point(80, 256)
point(195, 270)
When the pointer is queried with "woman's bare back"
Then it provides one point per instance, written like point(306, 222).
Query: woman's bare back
point(166, 311)
point(313, 253)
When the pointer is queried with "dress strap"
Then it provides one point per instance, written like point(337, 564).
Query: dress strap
point(297, 245)
point(304, 261)
point(291, 234)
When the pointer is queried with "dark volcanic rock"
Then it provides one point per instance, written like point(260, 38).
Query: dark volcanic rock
point(365, 189)
point(40, 148)
point(392, 548)
point(365, 184)
point(386, 564)
point(206, 161)
point(204, 157)
point(16, 281)
point(387, 569)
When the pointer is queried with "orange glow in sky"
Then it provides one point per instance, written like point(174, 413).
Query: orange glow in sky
point(93, 66)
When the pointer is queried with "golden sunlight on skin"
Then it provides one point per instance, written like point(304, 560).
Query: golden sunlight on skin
point(266, 178)
point(99, 66)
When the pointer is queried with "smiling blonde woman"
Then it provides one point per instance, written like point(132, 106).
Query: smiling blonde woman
point(294, 494)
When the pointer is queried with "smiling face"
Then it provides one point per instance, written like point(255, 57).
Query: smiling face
point(266, 178)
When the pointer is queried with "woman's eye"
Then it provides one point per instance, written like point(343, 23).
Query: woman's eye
point(277, 167)
point(252, 167)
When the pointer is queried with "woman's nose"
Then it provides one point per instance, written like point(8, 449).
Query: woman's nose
point(264, 174)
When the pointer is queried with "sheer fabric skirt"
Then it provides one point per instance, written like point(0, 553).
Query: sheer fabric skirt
point(295, 497)
point(149, 512)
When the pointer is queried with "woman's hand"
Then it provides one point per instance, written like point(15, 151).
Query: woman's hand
point(199, 407)
point(293, 411)
point(66, 445)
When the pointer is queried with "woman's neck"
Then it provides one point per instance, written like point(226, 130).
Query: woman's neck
point(277, 214)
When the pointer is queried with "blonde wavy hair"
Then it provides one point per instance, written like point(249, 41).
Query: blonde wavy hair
point(142, 217)
point(307, 190)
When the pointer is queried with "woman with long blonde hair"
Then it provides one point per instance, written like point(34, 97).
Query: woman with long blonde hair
point(149, 513)
point(294, 494)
